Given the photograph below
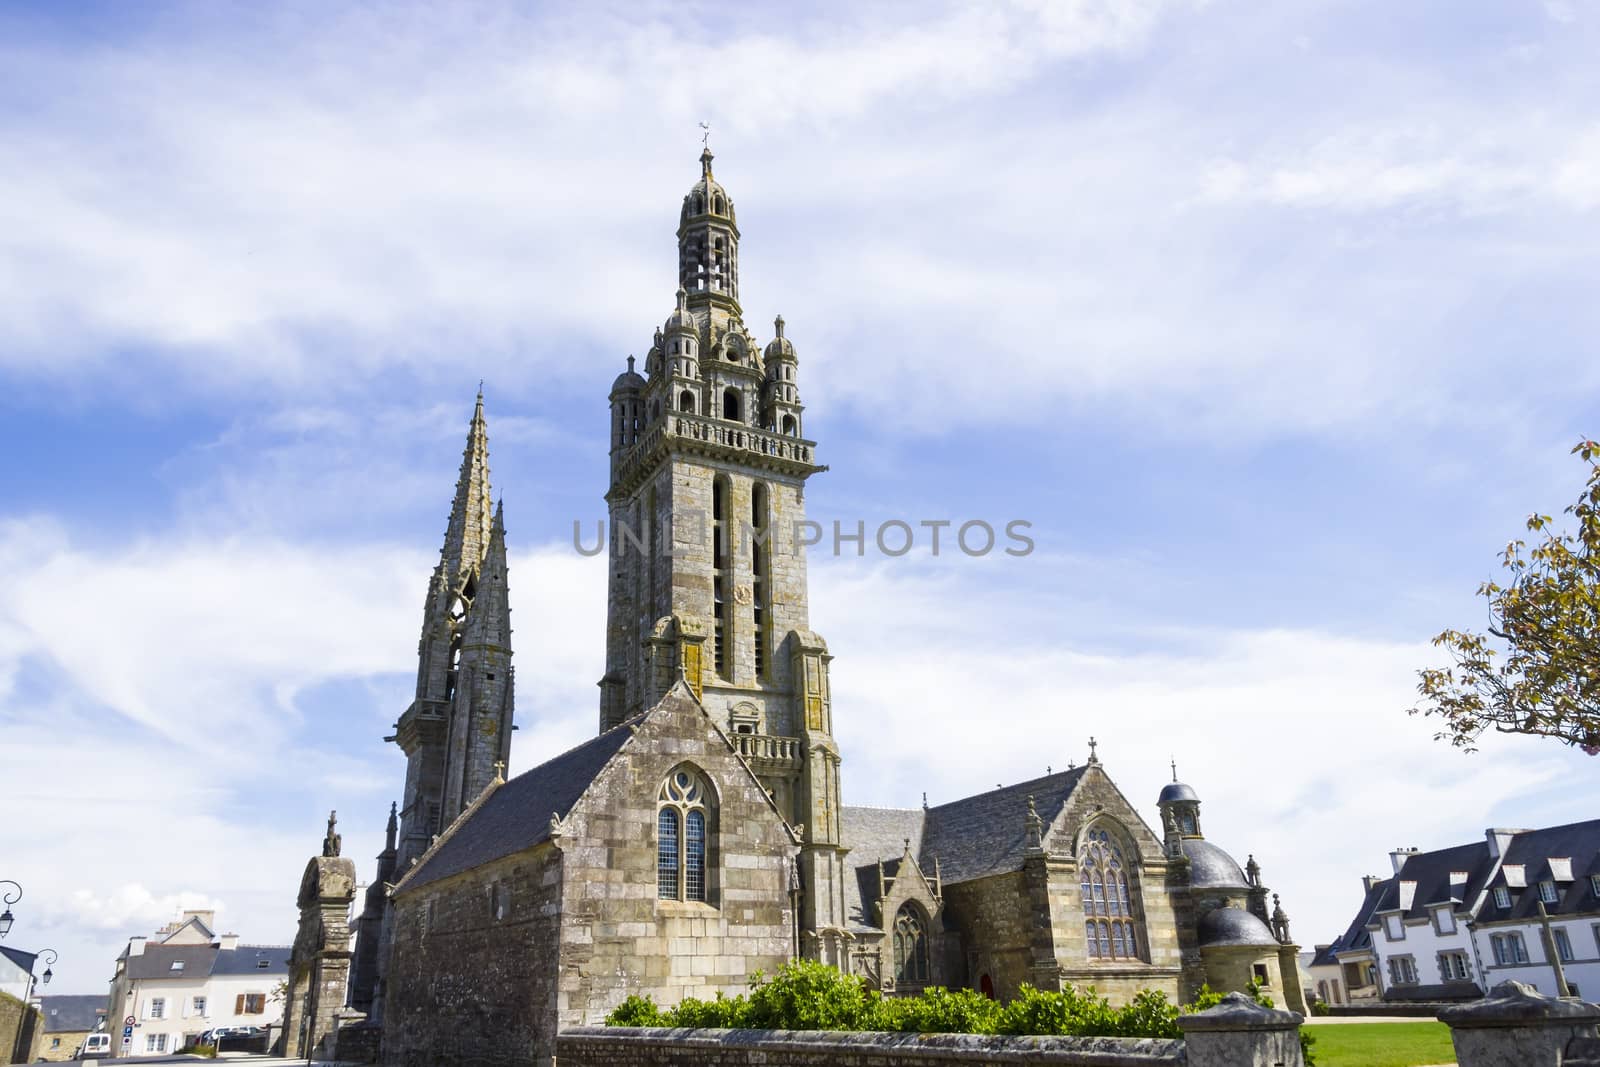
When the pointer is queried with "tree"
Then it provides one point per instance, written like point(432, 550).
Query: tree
point(1537, 669)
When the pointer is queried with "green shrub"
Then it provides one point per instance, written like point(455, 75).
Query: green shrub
point(807, 995)
point(636, 1011)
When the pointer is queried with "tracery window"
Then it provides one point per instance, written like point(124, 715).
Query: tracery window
point(681, 839)
point(910, 947)
point(1110, 925)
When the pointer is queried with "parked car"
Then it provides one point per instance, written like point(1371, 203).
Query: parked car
point(95, 1045)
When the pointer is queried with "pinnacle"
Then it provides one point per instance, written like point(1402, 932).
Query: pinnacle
point(466, 538)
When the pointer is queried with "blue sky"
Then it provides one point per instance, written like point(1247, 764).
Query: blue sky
point(1273, 320)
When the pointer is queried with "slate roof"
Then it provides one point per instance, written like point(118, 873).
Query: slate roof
point(72, 1013)
point(20, 958)
point(1356, 937)
point(1431, 872)
point(986, 834)
point(247, 959)
point(1233, 926)
point(1210, 867)
point(1533, 849)
point(873, 834)
point(156, 961)
point(516, 816)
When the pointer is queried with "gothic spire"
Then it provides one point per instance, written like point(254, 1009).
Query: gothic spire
point(466, 538)
point(489, 622)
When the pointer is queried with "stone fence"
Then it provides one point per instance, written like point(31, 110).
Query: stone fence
point(1517, 1026)
point(1236, 1033)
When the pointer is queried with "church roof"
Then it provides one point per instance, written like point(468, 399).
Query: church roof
point(1211, 867)
point(516, 815)
point(874, 834)
point(1229, 927)
point(1357, 936)
point(987, 833)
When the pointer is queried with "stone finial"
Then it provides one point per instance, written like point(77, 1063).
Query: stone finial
point(1093, 757)
point(393, 827)
point(777, 326)
point(924, 800)
point(630, 363)
point(1252, 870)
point(1280, 921)
point(330, 843)
point(1035, 826)
point(1174, 768)
point(500, 771)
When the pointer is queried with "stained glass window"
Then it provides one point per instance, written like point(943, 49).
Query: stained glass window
point(667, 855)
point(681, 837)
point(1110, 924)
point(910, 947)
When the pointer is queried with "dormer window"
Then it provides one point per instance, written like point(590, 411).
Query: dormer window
point(177, 965)
point(1547, 892)
point(1594, 884)
point(1502, 897)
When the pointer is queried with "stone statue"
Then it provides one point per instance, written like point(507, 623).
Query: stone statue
point(330, 844)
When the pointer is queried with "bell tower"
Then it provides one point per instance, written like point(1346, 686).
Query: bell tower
point(707, 572)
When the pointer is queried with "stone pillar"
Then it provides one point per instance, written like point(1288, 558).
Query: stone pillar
point(1241, 1033)
point(1517, 1026)
point(319, 964)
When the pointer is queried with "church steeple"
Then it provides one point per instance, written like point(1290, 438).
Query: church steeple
point(708, 247)
point(480, 721)
point(467, 535)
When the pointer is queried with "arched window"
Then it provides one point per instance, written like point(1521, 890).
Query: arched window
point(910, 947)
point(730, 405)
point(790, 427)
point(681, 837)
point(721, 206)
point(1110, 926)
point(686, 401)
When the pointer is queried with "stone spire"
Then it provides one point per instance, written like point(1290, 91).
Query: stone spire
point(467, 535)
point(392, 829)
point(489, 622)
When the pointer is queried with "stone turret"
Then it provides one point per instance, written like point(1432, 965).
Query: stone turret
point(480, 719)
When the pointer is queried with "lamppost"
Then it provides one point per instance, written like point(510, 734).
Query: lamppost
point(48, 973)
point(10, 898)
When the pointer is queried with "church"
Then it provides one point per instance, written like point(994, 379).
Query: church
point(701, 835)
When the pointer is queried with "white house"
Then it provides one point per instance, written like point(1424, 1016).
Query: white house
point(16, 972)
point(187, 980)
point(1451, 924)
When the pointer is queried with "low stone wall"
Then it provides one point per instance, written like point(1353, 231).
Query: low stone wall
point(1421, 1009)
point(598, 1046)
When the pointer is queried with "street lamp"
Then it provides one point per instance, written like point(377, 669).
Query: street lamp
point(10, 898)
point(48, 973)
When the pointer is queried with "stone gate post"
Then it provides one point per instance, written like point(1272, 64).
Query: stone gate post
point(1517, 1026)
point(1241, 1033)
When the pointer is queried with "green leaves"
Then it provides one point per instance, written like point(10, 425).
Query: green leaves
point(1537, 669)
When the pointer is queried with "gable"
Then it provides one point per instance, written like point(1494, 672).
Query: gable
point(987, 833)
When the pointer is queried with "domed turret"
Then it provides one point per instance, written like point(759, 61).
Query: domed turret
point(781, 407)
point(708, 246)
point(1180, 808)
point(627, 407)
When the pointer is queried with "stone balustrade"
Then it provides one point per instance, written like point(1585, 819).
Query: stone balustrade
point(768, 752)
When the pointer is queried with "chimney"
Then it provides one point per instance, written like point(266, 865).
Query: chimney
point(1368, 881)
point(1399, 856)
point(135, 947)
point(228, 942)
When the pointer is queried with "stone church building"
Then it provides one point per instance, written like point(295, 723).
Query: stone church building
point(701, 835)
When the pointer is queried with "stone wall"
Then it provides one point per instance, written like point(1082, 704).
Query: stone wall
point(995, 923)
point(607, 1047)
point(618, 938)
point(21, 1027)
point(471, 978)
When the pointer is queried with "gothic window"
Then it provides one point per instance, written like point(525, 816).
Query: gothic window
point(760, 578)
point(790, 427)
point(686, 401)
point(681, 837)
point(721, 206)
point(730, 405)
point(1110, 925)
point(721, 575)
point(910, 947)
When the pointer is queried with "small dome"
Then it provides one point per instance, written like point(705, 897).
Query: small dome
point(780, 347)
point(1222, 927)
point(707, 196)
point(628, 381)
point(1177, 791)
point(682, 319)
point(1210, 867)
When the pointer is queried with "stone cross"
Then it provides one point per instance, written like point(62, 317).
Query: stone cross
point(499, 770)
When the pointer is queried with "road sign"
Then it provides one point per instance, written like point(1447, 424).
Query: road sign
point(127, 1033)
point(128, 1021)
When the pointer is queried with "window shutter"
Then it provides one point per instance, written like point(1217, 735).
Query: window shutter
point(238, 1005)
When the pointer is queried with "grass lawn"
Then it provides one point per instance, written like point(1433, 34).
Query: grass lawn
point(1382, 1044)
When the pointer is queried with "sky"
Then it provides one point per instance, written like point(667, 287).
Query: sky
point(1273, 321)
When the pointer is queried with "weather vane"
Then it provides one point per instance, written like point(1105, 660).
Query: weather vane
point(705, 139)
